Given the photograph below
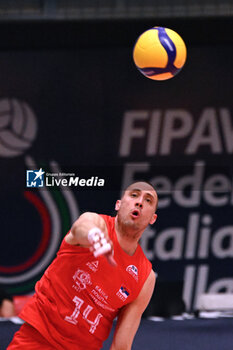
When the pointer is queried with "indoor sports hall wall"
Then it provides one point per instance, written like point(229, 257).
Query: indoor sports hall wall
point(87, 112)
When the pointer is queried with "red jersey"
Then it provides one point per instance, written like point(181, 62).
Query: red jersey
point(79, 295)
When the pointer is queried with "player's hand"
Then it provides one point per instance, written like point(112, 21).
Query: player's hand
point(100, 244)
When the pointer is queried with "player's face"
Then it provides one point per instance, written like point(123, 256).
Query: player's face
point(136, 208)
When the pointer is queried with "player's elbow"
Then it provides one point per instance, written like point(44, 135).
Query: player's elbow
point(120, 347)
point(122, 343)
point(82, 220)
point(84, 223)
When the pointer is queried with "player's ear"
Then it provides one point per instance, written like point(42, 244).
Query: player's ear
point(118, 204)
point(153, 219)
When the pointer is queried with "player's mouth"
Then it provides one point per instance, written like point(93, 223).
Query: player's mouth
point(135, 213)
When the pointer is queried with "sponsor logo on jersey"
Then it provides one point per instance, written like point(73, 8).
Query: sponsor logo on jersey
point(123, 293)
point(82, 279)
point(101, 298)
point(133, 271)
point(93, 265)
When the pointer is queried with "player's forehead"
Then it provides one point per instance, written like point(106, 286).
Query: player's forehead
point(142, 187)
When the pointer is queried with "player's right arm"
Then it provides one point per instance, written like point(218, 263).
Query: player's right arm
point(78, 234)
point(90, 231)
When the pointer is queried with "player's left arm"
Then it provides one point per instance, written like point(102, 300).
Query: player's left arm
point(130, 316)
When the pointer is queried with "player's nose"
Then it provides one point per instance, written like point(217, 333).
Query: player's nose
point(139, 202)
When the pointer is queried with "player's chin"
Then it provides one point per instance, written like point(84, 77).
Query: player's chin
point(133, 224)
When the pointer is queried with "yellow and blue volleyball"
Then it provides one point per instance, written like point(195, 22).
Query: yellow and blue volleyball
point(159, 53)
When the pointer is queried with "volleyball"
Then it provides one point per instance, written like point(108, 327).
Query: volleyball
point(159, 53)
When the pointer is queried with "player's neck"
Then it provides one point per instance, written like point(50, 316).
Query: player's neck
point(128, 246)
point(127, 240)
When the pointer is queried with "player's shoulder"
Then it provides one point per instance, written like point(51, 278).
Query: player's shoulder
point(153, 275)
point(109, 220)
point(150, 282)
